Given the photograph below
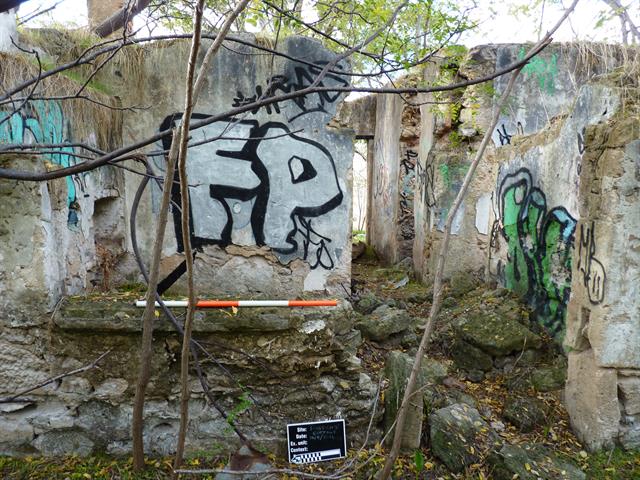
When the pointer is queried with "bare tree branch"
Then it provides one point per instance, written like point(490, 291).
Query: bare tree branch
point(189, 102)
point(48, 381)
point(122, 153)
point(119, 19)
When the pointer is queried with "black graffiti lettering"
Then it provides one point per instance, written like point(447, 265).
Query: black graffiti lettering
point(504, 137)
point(303, 77)
point(408, 162)
point(594, 276)
point(407, 189)
point(311, 190)
point(581, 145)
point(311, 238)
point(425, 177)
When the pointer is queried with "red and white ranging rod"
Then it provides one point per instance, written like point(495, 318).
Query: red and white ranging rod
point(244, 303)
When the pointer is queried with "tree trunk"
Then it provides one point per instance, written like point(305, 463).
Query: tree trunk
point(137, 422)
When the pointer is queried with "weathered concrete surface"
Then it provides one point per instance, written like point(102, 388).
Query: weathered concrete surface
point(552, 213)
point(592, 401)
point(276, 177)
point(604, 305)
point(536, 200)
point(449, 136)
point(358, 116)
point(393, 175)
point(385, 168)
point(8, 31)
point(50, 244)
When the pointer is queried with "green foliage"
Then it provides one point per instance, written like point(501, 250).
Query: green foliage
point(244, 404)
point(455, 139)
point(616, 464)
point(418, 462)
point(419, 28)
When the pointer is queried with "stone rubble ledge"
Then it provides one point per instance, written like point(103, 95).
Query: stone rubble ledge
point(122, 316)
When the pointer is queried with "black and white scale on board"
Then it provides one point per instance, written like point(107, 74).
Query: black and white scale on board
point(316, 441)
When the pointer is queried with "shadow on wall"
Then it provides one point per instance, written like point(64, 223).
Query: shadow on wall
point(533, 248)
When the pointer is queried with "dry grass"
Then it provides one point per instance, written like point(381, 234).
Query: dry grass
point(87, 118)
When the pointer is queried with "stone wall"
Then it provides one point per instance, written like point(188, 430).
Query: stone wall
point(270, 194)
point(551, 213)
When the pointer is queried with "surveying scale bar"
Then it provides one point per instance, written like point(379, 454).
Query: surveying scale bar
point(245, 303)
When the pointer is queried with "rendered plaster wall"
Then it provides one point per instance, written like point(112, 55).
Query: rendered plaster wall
point(270, 189)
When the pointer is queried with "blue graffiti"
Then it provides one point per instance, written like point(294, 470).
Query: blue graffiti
point(41, 121)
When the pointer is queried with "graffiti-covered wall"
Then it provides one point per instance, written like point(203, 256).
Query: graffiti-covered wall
point(518, 222)
point(63, 216)
point(535, 233)
point(269, 188)
point(270, 200)
point(554, 206)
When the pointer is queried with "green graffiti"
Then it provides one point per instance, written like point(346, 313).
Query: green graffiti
point(545, 71)
point(42, 121)
point(539, 246)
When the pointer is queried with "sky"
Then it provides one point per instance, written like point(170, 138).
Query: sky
point(496, 19)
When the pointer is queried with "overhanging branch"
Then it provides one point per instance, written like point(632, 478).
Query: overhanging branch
point(124, 152)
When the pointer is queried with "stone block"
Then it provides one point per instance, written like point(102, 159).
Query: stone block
point(630, 394)
point(64, 442)
point(496, 335)
point(591, 397)
point(459, 435)
point(397, 370)
point(383, 322)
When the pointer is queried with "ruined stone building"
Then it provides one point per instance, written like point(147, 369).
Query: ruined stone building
point(552, 215)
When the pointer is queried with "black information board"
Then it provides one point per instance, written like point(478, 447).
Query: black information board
point(316, 441)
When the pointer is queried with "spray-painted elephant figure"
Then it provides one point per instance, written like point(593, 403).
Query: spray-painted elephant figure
point(257, 184)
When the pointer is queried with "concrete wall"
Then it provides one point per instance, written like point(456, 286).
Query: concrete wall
point(8, 30)
point(392, 177)
point(271, 194)
point(603, 321)
point(57, 237)
point(384, 179)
